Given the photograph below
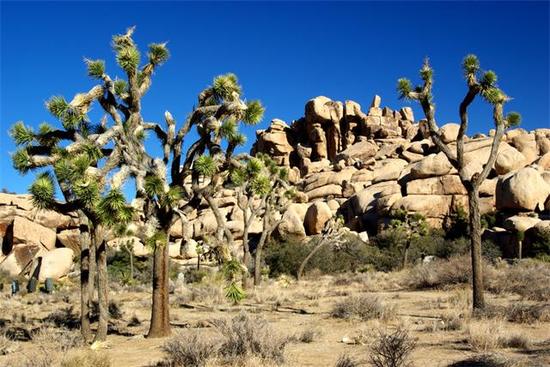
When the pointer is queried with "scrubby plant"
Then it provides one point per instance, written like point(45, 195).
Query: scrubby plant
point(487, 360)
point(346, 361)
point(246, 336)
point(480, 84)
point(232, 271)
point(392, 348)
point(190, 349)
point(485, 335)
point(364, 307)
point(86, 358)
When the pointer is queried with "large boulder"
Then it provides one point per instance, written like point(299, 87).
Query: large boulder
point(317, 215)
point(361, 151)
point(432, 165)
point(524, 190)
point(388, 169)
point(434, 206)
point(324, 192)
point(70, 238)
point(291, 226)
point(19, 258)
point(319, 179)
point(55, 263)
point(25, 231)
point(519, 223)
point(509, 160)
point(449, 132)
point(442, 185)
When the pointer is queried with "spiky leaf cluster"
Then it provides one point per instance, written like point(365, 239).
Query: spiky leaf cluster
point(470, 65)
point(113, 210)
point(96, 68)
point(513, 119)
point(205, 165)
point(120, 86)
point(43, 191)
point(226, 87)
point(158, 53)
point(60, 108)
point(260, 185)
point(234, 293)
point(128, 59)
point(21, 160)
point(254, 112)
point(404, 88)
point(21, 133)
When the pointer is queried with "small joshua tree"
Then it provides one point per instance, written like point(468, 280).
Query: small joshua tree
point(411, 226)
point(332, 234)
point(71, 158)
point(482, 84)
point(261, 187)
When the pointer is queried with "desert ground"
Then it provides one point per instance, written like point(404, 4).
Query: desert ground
point(315, 322)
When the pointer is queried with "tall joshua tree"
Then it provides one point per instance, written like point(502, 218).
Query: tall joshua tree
point(479, 83)
point(262, 189)
point(70, 158)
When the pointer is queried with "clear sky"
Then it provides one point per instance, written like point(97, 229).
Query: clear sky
point(283, 53)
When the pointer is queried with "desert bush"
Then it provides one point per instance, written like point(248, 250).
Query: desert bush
point(64, 317)
point(346, 361)
point(7, 345)
point(286, 257)
point(59, 339)
point(519, 341)
point(392, 349)
point(193, 275)
point(308, 335)
point(39, 357)
point(539, 245)
point(114, 310)
point(246, 336)
point(365, 307)
point(528, 313)
point(86, 358)
point(439, 273)
point(486, 360)
point(485, 335)
point(118, 266)
point(528, 278)
point(189, 350)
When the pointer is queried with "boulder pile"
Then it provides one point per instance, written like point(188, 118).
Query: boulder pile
point(342, 161)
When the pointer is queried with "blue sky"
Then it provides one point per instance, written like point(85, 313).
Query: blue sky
point(283, 53)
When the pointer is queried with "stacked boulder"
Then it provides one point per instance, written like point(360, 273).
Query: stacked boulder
point(365, 165)
point(35, 241)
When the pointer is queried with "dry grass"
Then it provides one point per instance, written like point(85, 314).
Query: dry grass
point(346, 361)
point(488, 360)
point(7, 345)
point(364, 307)
point(485, 335)
point(439, 273)
point(86, 358)
point(528, 278)
point(308, 335)
point(58, 339)
point(528, 313)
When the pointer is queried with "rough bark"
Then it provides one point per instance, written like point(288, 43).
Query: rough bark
point(102, 291)
point(85, 294)
point(160, 317)
point(321, 243)
point(475, 245)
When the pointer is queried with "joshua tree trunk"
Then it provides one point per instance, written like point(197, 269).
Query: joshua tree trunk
point(406, 254)
point(258, 255)
point(102, 291)
point(321, 243)
point(475, 245)
point(246, 256)
point(160, 317)
point(85, 280)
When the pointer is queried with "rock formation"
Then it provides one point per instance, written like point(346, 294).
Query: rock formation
point(342, 161)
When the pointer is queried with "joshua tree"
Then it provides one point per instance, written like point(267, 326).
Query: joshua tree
point(411, 226)
point(332, 234)
point(258, 181)
point(70, 158)
point(168, 187)
point(479, 84)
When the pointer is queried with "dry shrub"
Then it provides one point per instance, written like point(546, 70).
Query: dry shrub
point(7, 345)
point(250, 336)
point(486, 360)
point(364, 307)
point(519, 341)
point(485, 335)
point(209, 292)
point(439, 273)
point(59, 339)
point(39, 357)
point(64, 317)
point(346, 361)
point(308, 335)
point(392, 349)
point(86, 358)
point(527, 313)
point(528, 278)
point(189, 350)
